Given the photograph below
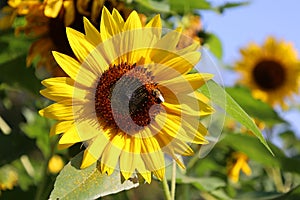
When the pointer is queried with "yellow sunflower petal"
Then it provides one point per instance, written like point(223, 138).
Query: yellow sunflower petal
point(108, 26)
point(187, 83)
point(169, 41)
point(94, 150)
point(70, 136)
point(128, 161)
point(68, 64)
point(60, 111)
point(57, 81)
point(80, 46)
point(118, 18)
point(133, 22)
point(112, 153)
point(52, 8)
point(176, 66)
point(153, 156)
point(60, 127)
point(80, 131)
point(155, 22)
point(92, 35)
point(64, 146)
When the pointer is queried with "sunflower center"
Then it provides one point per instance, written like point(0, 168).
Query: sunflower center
point(269, 75)
point(127, 97)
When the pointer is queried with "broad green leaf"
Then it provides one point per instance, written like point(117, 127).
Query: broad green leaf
point(212, 43)
point(88, 183)
point(244, 98)
point(220, 97)
point(250, 146)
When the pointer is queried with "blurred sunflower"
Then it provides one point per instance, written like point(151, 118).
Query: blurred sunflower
point(270, 71)
point(129, 96)
point(191, 25)
point(237, 163)
point(10, 9)
point(48, 20)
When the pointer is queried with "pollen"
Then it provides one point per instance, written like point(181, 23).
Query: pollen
point(127, 97)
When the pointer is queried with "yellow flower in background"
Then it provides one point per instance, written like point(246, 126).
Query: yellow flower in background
point(55, 164)
point(271, 71)
point(8, 177)
point(191, 25)
point(47, 21)
point(238, 162)
point(7, 16)
point(128, 96)
point(22, 7)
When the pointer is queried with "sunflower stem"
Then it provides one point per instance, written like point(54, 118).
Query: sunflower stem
point(166, 189)
point(173, 181)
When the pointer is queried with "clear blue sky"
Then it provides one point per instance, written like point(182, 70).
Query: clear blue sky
point(254, 22)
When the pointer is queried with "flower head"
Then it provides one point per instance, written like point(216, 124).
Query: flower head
point(271, 71)
point(47, 21)
point(238, 162)
point(128, 96)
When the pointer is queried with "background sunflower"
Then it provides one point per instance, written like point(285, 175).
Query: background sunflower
point(271, 71)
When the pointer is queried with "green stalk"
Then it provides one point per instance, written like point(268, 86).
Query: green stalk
point(166, 189)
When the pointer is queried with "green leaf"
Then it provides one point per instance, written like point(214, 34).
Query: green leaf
point(12, 46)
point(14, 73)
point(212, 43)
point(88, 183)
point(227, 5)
point(221, 98)
point(158, 6)
point(13, 70)
point(187, 6)
point(250, 146)
point(244, 98)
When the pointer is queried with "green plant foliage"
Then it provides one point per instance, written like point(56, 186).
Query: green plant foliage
point(244, 98)
point(87, 183)
point(212, 43)
point(221, 98)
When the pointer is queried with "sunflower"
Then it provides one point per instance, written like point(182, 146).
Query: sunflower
point(271, 71)
point(128, 96)
point(7, 16)
point(237, 163)
point(47, 21)
point(192, 25)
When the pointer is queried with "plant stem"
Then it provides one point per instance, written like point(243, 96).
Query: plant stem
point(41, 187)
point(173, 181)
point(166, 189)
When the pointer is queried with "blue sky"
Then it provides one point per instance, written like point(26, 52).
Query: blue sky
point(254, 22)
